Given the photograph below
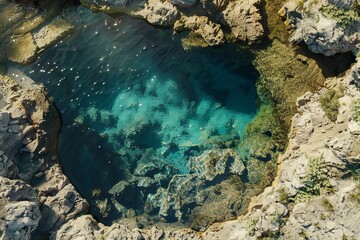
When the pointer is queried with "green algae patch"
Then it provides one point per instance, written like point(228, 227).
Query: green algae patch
point(275, 26)
point(287, 76)
point(356, 110)
point(330, 102)
point(316, 180)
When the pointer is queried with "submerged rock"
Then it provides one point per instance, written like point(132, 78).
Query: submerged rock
point(198, 197)
point(22, 49)
point(56, 30)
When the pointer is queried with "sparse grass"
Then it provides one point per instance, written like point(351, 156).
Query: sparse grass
point(327, 205)
point(355, 195)
point(330, 102)
point(343, 17)
point(284, 197)
point(315, 182)
point(356, 110)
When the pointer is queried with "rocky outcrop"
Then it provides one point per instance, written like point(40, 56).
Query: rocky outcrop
point(86, 227)
point(20, 212)
point(244, 19)
point(327, 27)
point(20, 219)
point(56, 30)
point(158, 12)
point(313, 197)
point(28, 132)
point(209, 31)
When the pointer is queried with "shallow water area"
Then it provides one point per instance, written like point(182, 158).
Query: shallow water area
point(136, 107)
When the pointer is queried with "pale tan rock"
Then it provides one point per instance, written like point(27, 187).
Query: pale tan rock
point(201, 25)
point(244, 19)
point(22, 49)
point(158, 12)
point(56, 30)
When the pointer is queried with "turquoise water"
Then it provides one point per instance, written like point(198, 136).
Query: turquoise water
point(130, 96)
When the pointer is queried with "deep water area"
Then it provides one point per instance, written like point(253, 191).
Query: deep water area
point(137, 112)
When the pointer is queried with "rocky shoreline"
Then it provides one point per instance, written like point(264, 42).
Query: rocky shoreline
point(316, 193)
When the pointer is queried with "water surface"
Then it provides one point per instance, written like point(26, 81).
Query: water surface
point(131, 99)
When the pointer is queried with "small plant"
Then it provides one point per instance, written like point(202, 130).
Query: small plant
point(355, 195)
point(284, 197)
point(330, 102)
point(315, 181)
point(343, 17)
point(327, 205)
point(356, 110)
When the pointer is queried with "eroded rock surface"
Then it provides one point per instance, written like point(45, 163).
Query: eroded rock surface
point(244, 19)
point(44, 198)
point(327, 27)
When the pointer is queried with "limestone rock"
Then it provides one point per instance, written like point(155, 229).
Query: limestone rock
point(317, 24)
point(84, 227)
point(159, 12)
point(201, 25)
point(20, 219)
point(56, 30)
point(22, 49)
point(244, 19)
point(214, 6)
point(16, 190)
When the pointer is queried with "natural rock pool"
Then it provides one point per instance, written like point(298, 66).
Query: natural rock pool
point(148, 128)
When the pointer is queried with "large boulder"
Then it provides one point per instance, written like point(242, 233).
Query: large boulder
point(244, 19)
point(20, 219)
point(159, 12)
point(327, 27)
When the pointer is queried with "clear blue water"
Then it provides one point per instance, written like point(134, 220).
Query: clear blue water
point(128, 93)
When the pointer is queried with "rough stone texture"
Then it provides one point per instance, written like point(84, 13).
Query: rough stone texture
point(56, 30)
point(27, 131)
point(244, 19)
point(85, 227)
point(159, 12)
point(16, 190)
point(60, 201)
point(198, 197)
point(355, 72)
point(213, 7)
point(201, 25)
point(20, 219)
point(322, 33)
